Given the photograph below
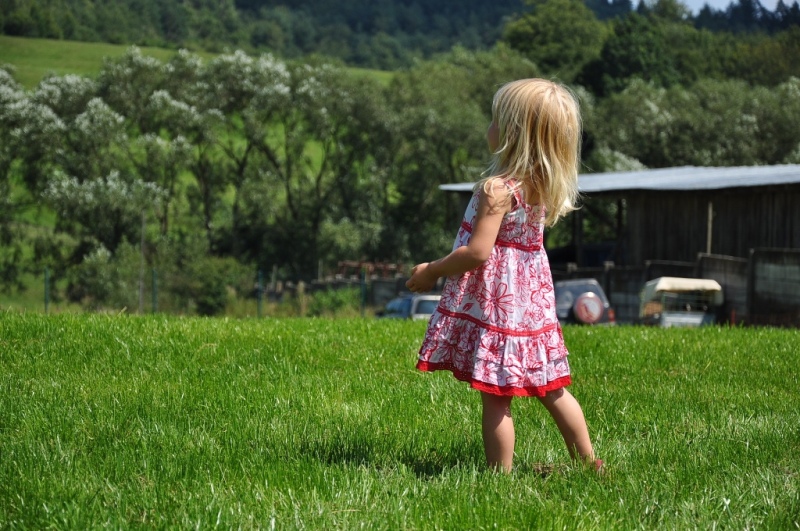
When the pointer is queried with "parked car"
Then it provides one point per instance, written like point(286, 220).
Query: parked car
point(676, 301)
point(411, 307)
point(582, 301)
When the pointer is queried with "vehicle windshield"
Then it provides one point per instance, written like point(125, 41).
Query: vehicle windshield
point(398, 307)
point(693, 301)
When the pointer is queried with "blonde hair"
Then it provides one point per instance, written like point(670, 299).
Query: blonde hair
point(539, 130)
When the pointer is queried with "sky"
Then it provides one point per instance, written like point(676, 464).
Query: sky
point(697, 5)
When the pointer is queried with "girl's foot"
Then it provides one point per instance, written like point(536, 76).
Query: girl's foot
point(598, 466)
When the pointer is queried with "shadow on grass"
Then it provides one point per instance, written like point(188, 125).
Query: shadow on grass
point(424, 462)
point(432, 465)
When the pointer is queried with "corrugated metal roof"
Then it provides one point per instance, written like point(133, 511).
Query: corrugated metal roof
point(683, 178)
point(691, 178)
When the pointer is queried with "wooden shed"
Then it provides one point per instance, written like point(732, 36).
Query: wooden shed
point(676, 213)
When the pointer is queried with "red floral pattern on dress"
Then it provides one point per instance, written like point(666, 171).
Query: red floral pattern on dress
point(498, 303)
point(496, 326)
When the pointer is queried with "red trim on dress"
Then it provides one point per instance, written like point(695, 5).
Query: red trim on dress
point(508, 331)
point(539, 391)
point(520, 246)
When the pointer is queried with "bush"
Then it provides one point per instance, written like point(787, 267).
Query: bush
point(188, 282)
point(105, 281)
point(209, 282)
point(92, 282)
point(339, 302)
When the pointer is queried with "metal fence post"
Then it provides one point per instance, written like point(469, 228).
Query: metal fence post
point(46, 290)
point(363, 290)
point(155, 290)
point(260, 294)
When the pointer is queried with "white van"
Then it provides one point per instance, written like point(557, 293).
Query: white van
point(676, 301)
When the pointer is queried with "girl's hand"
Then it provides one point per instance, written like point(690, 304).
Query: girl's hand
point(422, 278)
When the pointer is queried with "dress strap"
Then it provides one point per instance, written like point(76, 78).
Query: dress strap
point(516, 191)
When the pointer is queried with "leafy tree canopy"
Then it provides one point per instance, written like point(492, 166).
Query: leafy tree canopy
point(384, 34)
point(560, 36)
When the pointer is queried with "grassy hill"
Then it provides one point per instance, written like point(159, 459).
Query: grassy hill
point(33, 59)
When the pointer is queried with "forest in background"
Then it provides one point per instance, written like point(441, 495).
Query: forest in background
point(375, 34)
point(204, 169)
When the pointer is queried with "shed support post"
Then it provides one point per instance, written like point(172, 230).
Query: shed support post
point(709, 226)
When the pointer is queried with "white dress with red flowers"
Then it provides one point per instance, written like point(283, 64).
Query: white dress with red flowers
point(496, 326)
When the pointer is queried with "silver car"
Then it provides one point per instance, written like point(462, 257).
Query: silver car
point(410, 307)
point(582, 301)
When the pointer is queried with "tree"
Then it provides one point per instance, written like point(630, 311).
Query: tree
point(560, 36)
point(715, 123)
point(160, 161)
point(745, 15)
point(710, 18)
point(39, 132)
point(200, 126)
point(763, 60)
point(777, 112)
point(318, 160)
point(126, 84)
point(787, 16)
point(13, 105)
point(102, 212)
point(673, 11)
point(637, 48)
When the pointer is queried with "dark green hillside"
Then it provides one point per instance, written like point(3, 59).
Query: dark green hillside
point(383, 34)
point(360, 32)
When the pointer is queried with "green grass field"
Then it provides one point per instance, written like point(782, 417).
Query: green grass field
point(123, 421)
point(35, 58)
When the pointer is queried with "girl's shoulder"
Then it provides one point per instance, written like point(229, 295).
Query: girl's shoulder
point(495, 185)
point(500, 192)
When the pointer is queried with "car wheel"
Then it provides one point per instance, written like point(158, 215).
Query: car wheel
point(588, 308)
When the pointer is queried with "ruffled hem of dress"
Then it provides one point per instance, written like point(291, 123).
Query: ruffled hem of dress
point(539, 391)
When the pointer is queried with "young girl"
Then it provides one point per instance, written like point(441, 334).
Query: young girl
point(496, 325)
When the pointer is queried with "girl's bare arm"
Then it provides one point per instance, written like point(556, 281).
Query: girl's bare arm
point(467, 257)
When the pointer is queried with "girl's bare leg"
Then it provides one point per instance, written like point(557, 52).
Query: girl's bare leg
point(498, 431)
point(568, 415)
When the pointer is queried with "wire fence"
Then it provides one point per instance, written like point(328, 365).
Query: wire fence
point(236, 292)
point(773, 284)
point(763, 289)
